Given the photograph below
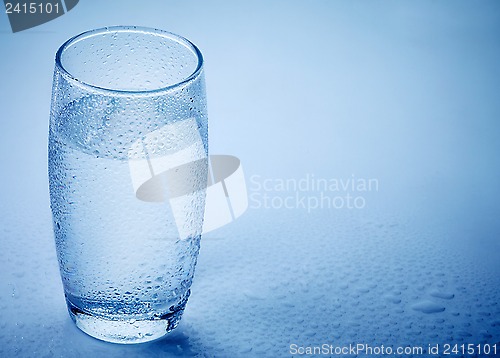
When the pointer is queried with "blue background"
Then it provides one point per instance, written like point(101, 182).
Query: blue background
point(405, 92)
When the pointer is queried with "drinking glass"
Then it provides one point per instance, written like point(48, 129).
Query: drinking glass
point(128, 147)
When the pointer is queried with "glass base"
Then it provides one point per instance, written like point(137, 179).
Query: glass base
point(126, 331)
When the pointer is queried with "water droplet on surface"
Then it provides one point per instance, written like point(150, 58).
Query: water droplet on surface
point(427, 307)
point(443, 295)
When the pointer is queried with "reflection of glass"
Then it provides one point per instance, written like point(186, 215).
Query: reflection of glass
point(128, 171)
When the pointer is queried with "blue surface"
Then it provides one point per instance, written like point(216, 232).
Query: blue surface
point(406, 93)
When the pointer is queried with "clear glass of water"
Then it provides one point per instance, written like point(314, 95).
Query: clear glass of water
point(128, 146)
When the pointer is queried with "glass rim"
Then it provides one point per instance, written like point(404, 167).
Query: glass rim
point(137, 29)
